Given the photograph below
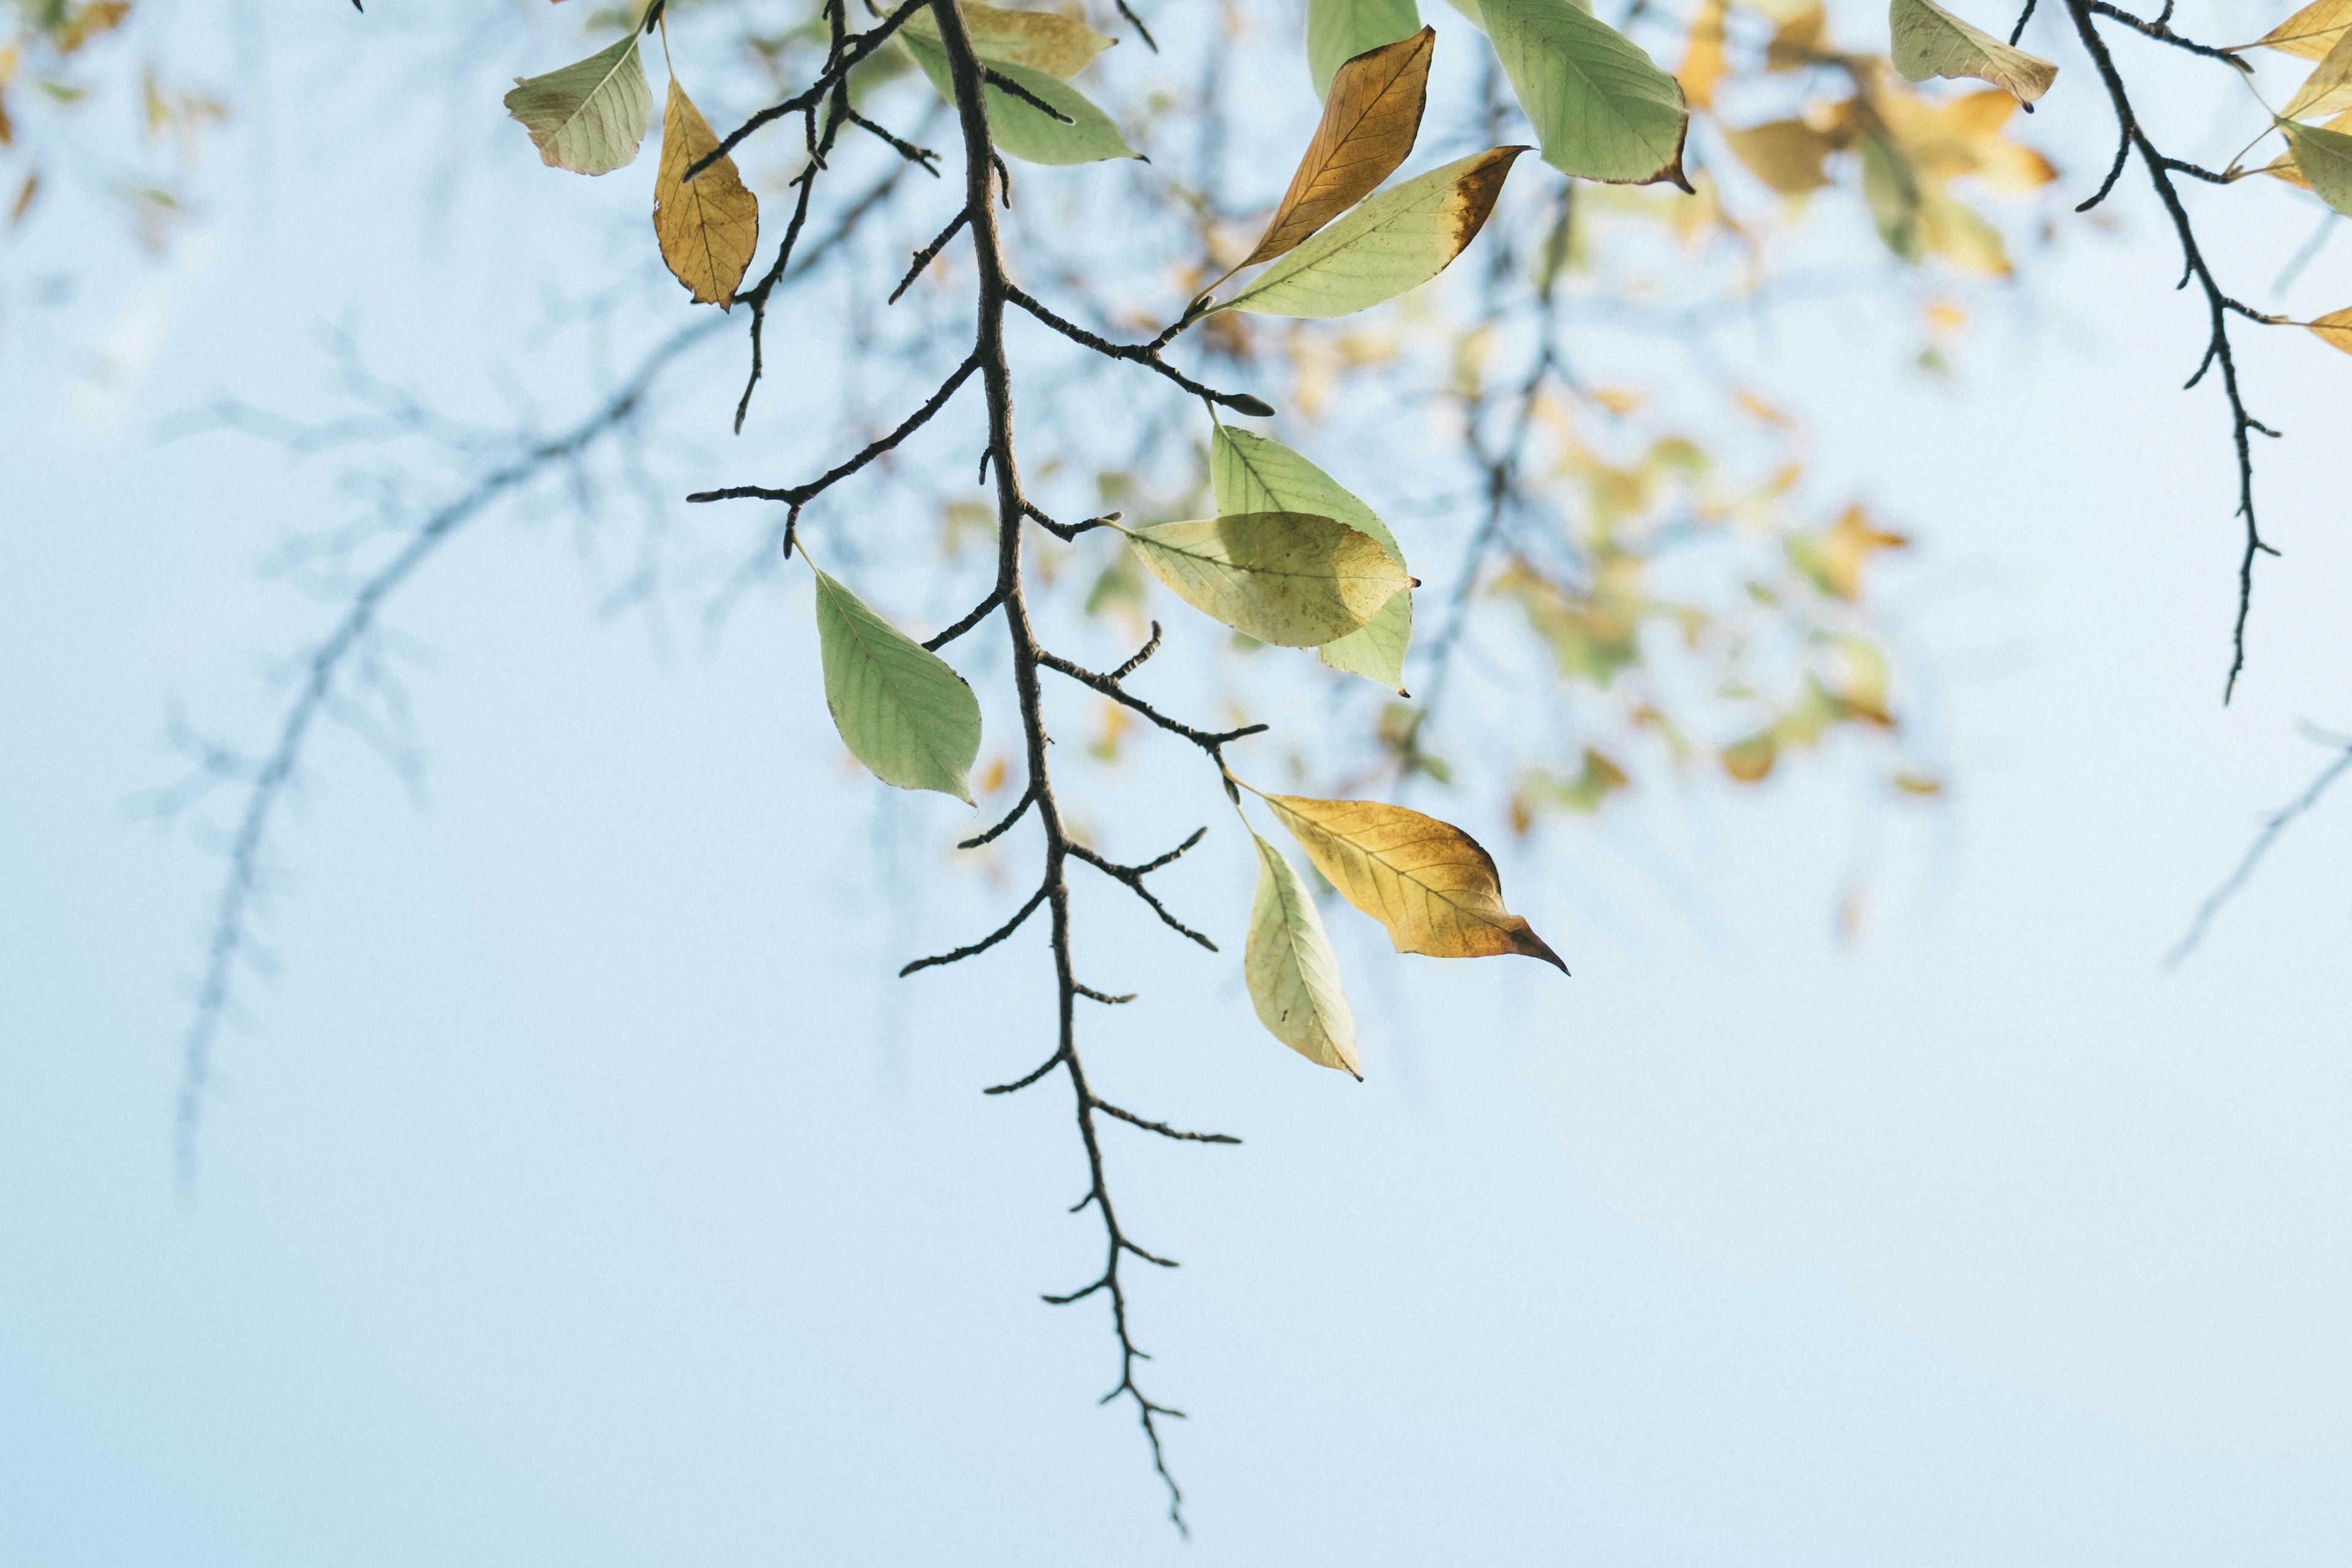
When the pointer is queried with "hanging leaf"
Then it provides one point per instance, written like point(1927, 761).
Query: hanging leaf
point(1293, 975)
point(1369, 121)
point(1284, 577)
point(1396, 240)
point(1046, 41)
point(1019, 127)
point(2310, 32)
point(1786, 155)
point(1339, 30)
point(1255, 473)
point(2328, 88)
point(1704, 64)
point(1427, 881)
point(590, 116)
point(1930, 41)
point(709, 228)
point(2334, 329)
point(901, 710)
point(2325, 159)
point(1601, 108)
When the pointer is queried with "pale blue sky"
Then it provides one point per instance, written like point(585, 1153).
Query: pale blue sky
point(586, 1192)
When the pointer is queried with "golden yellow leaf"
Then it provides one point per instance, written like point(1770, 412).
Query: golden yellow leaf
point(2334, 329)
point(1045, 41)
point(2310, 32)
point(1369, 121)
point(1427, 881)
point(1834, 557)
point(707, 228)
point(1786, 155)
point(1957, 233)
point(2328, 88)
point(1703, 63)
point(1751, 761)
point(1798, 42)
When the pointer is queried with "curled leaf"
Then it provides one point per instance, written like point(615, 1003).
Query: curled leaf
point(1427, 881)
point(708, 228)
point(1396, 240)
point(1369, 119)
point(1293, 975)
point(590, 116)
point(1283, 577)
point(1601, 108)
point(1929, 41)
point(901, 708)
point(1046, 41)
point(1256, 473)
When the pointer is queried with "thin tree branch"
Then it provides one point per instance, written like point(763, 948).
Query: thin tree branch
point(2276, 824)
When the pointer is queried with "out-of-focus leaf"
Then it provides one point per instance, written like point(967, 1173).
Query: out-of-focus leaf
point(1960, 236)
point(1798, 40)
point(1703, 60)
point(1283, 577)
point(2334, 329)
point(1786, 155)
point(1396, 240)
point(1046, 41)
point(1019, 127)
point(1339, 30)
point(1427, 881)
point(901, 708)
point(590, 116)
point(1751, 761)
point(1891, 190)
point(2325, 159)
point(709, 228)
point(1369, 119)
point(1601, 108)
point(1929, 41)
point(1294, 977)
point(2310, 32)
point(1834, 557)
point(1255, 473)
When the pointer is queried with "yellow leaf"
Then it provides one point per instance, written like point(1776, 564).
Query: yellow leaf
point(1703, 63)
point(1284, 577)
point(1834, 558)
point(1798, 42)
point(1960, 237)
point(2310, 32)
point(1751, 761)
point(1369, 121)
point(2334, 329)
point(1427, 881)
point(1929, 41)
point(1786, 155)
point(2328, 88)
point(707, 228)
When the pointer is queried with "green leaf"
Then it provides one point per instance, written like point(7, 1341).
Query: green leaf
point(1339, 30)
point(1021, 128)
point(1601, 108)
point(1294, 977)
point(1255, 473)
point(2325, 159)
point(1284, 577)
point(1891, 190)
point(590, 116)
point(1395, 240)
point(1929, 41)
point(901, 710)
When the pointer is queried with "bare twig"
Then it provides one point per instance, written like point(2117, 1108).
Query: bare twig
point(2277, 823)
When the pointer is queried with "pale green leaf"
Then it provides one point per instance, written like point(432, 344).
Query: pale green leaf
point(1891, 190)
point(901, 710)
point(1294, 977)
point(1339, 30)
point(1601, 108)
point(1255, 473)
point(1021, 128)
point(591, 116)
point(2325, 159)
point(1283, 577)
point(1929, 41)
point(1045, 41)
point(1395, 240)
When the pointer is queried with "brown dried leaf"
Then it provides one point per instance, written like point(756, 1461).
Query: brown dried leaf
point(1369, 121)
point(707, 228)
